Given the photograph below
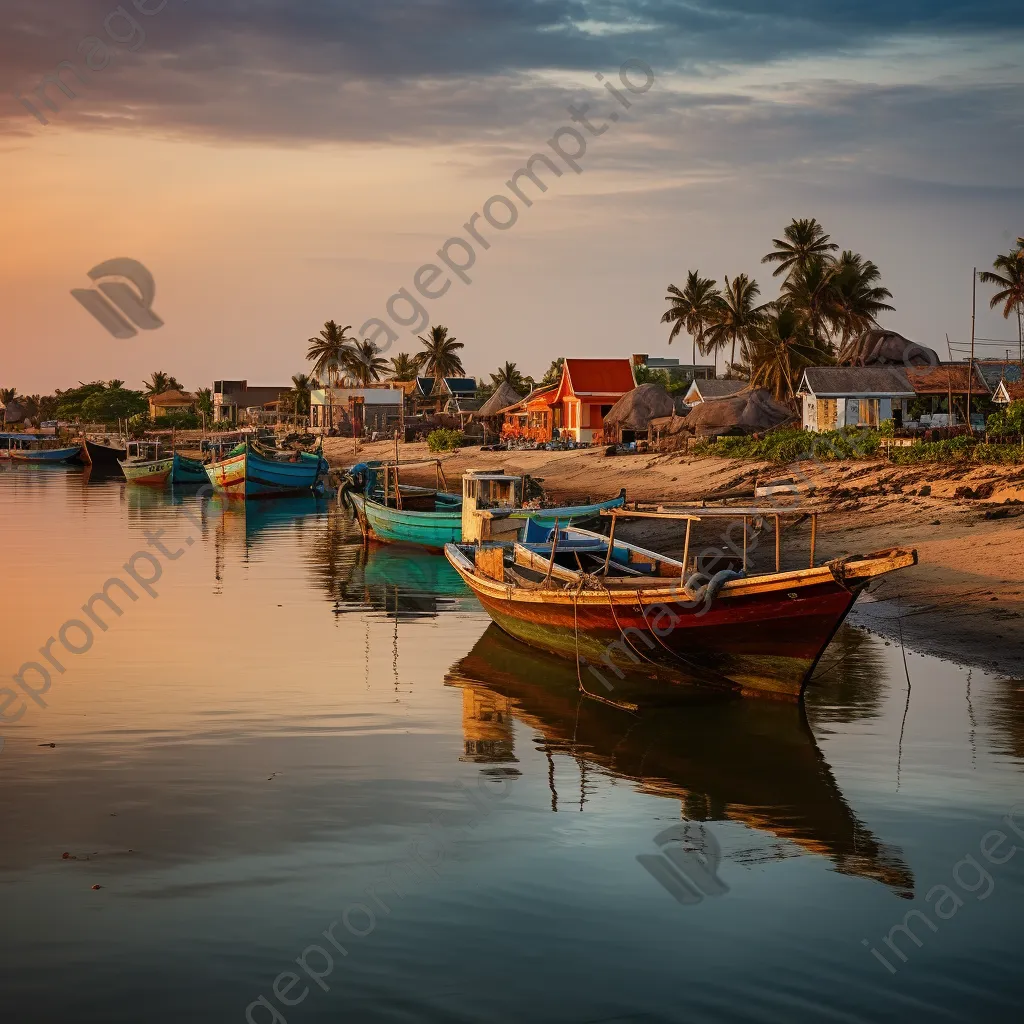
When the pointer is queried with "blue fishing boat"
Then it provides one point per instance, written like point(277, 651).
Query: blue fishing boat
point(254, 471)
point(36, 451)
point(405, 515)
point(187, 471)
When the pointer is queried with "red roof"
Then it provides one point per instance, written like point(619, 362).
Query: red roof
point(599, 376)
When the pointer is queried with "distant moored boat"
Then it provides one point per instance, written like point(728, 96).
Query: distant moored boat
point(146, 466)
point(253, 471)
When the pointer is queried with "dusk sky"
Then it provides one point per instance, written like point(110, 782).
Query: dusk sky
point(277, 164)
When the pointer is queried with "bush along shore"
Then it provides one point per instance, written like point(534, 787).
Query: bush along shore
point(786, 446)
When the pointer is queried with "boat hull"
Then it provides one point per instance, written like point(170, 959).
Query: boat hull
point(53, 455)
point(104, 455)
point(434, 530)
point(767, 647)
point(250, 475)
point(761, 635)
point(187, 471)
point(151, 473)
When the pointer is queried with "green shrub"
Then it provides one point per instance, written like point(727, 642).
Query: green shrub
point(444, 440)
point(794, 445)
point(855, 443)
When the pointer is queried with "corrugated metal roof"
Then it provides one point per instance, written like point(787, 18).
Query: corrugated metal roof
point(834, 381)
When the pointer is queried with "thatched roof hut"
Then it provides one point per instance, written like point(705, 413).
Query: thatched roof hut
point(504, 396)
point(749, 412)
point(633, 412)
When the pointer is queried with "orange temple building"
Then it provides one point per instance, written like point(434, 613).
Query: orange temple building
point(576, 406)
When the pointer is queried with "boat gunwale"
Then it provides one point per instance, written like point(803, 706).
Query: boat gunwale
point(663, 588)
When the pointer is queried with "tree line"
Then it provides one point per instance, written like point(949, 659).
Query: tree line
point(827, 300)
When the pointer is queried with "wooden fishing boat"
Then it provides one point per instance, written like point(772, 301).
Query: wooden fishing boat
point(187, 471)
point(106, 452)
point(38, 452)
point(146, 465)
point(253, 471)
point(398, 514)
point(628, 613)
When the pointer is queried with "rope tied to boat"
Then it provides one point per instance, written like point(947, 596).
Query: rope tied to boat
point(838, 569)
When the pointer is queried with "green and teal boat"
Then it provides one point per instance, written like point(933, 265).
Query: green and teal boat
point(432, 518)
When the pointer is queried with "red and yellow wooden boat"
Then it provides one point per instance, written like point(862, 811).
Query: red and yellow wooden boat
point(630, 617)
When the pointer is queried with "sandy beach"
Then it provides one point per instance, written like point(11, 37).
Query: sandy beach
point(964, 601)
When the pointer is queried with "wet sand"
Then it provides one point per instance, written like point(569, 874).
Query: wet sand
point(964, 601)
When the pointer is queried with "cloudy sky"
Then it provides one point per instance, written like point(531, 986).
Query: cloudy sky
point(277, 164)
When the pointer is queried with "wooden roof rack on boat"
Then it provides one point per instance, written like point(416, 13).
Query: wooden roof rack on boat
point(692, 515)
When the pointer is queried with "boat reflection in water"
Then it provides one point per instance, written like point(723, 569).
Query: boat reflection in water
point(404, 582)
point(752, 762)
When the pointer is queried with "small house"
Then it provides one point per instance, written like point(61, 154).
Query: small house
point(1010, 385)
point(703, 389)
point(853, 396)
point(235, 402)
point(436, 395)
point(364, 409)
point(943, 392)
point(168, 402)
point(630, 418)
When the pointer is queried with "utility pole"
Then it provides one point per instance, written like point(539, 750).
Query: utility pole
point(970, 365)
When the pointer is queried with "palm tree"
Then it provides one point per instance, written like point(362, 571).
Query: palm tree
point(8, 395)
point(1007, 275)
point(735, 318)
point(780, 350)
point(301, 387)
point(204, 402)
point(554, 372)
point(158, 383)
point(440, 358)
point(804, 240)
point(693, 309)
point(810, 291)
point(403, 367)
point(114, 385)
point(508, 374)
point(364, 362)
point(327, 354)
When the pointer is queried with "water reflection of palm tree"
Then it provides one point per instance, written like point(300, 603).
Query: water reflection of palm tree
point(753, 762)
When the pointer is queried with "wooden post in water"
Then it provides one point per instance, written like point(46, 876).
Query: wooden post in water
point(778, 544)
point(814, 535)
point(744, 543)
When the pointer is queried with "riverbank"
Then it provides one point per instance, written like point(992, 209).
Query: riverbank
point(964, 601)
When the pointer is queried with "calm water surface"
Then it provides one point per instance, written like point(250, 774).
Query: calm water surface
point(295, 737)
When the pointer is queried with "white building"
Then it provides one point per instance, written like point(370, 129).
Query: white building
point(853, 396)
point(372, 408)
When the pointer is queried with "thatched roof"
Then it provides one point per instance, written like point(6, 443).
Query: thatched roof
point(668, 425)
point(503, 397)
point(749, 412)
point(880, 347)
point(635, 409)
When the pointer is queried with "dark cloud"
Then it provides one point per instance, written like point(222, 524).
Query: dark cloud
point(348, 69)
